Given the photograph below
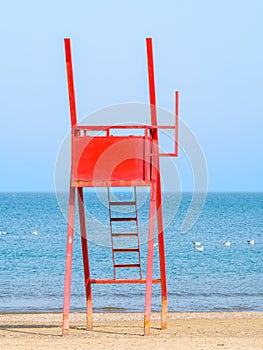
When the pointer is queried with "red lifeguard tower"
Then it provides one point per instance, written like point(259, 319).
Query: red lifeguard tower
point(107, 160)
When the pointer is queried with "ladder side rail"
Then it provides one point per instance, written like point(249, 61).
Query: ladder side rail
point(137, 230)
point(111, 232)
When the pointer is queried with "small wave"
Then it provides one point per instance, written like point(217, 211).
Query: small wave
point(208, 295)
point(112, 309)
point(231, 309)
point(128, 294)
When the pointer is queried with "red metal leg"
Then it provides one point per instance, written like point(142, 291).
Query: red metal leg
point(157, 174)
point(68, 273)
point(161, 254)
point(85, 256)
point(149, 274)
point(71, 91)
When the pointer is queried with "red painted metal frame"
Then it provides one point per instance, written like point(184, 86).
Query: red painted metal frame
point(69, 250)
point(71, 91)
point(176, 123)
point(122, 281)
point(154, 182)
point(84, 243)
point(158, 204)
point(149, 129)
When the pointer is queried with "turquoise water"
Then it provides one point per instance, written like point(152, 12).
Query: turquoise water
point(217, 279)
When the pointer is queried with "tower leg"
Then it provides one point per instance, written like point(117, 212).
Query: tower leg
point(68, 273)
point(162, 256)
point(85, 256)
point(149, 274)
point(156, 175)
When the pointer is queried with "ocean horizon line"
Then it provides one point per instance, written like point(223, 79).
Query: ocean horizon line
point(91, 189)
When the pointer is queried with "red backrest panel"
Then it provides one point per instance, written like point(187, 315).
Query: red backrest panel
point(109, 158)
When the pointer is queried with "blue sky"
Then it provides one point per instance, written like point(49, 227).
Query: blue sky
point(209, 50)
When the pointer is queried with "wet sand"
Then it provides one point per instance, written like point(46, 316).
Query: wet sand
point(202, 331)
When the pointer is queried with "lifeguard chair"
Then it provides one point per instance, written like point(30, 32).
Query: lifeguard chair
point(108, 160)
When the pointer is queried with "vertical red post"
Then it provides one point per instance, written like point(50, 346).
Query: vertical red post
point(176, 122)
point(85, 255)
point(68, 273)
point(158, 185)
point(71, 91)
point(71, 210)
point(149, 273)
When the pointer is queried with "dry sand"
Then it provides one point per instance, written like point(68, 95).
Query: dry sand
point(207, 331)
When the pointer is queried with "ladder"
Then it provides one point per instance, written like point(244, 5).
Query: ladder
point(118, 217)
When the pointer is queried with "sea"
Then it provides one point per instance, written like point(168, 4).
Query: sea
point(218, 278)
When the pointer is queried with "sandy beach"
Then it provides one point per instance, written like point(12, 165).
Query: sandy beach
point(204, 331)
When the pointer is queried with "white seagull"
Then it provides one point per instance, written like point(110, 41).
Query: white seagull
point(156, 244)
point(196, 243)
point(3, 232)
point(200, 248)
point(251, 241)
point(226, 243)
point(34, 233)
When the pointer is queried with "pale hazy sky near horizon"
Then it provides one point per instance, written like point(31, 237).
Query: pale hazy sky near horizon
point(211, 51)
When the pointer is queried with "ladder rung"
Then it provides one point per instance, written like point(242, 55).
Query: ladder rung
point(125, 250)
point(126, 265)
point(128, 234)
point(122, 203)
point(122, 219)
